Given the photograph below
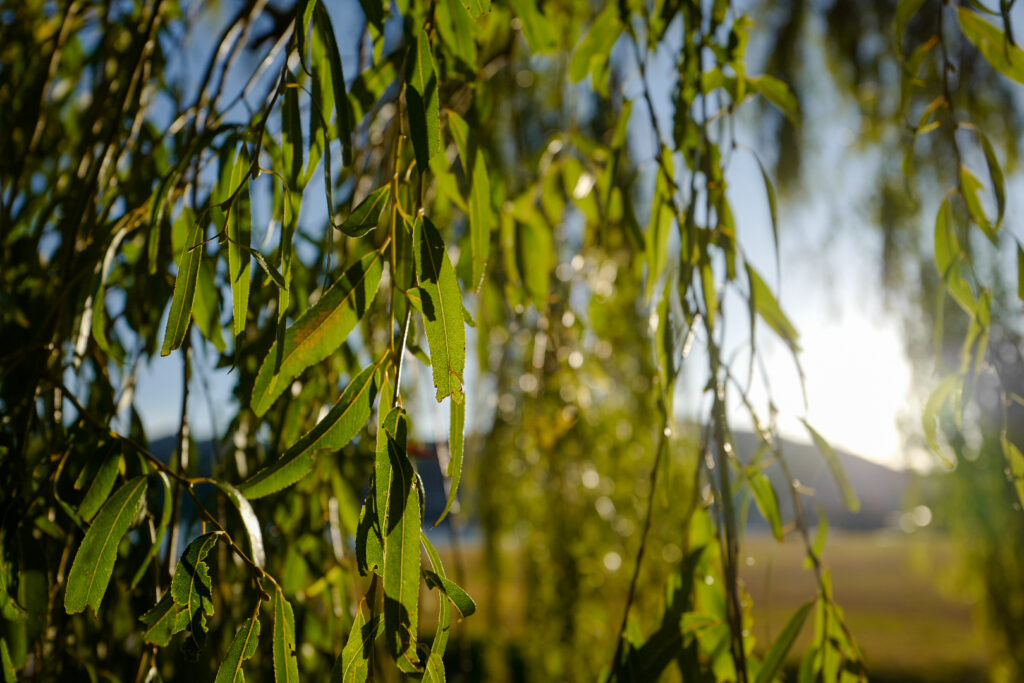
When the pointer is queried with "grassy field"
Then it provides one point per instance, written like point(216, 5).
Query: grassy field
point(886, 583)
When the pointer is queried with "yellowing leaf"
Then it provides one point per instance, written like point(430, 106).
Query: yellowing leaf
point(318, 331)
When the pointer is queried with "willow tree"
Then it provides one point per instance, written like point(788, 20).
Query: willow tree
point(323, 230)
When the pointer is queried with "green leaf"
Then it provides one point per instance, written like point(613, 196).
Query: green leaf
point(6, 662)
point(1020, 273)
point(319, 331)
point(325, 31)
point(192, 587)
point(353, 666)
point(337, 428)
point(364, 217)
point(291, 134)
point(995, 171)
point(459, 597)
point(164, 619)
point(401, 523)
point(94, 561)
point(206, 309)
point(970, 188)
point(184, 289)
point(905, 10)
point(767, 501)
point(838, 474)
point(286, 664)
point(242, 648)
point(776, 656)
point(779, 94)
point(773, 212)
point(948, 389)
point(767, 306)
point(239, 231)
point(249, 520)
point(369, 546)
point(948, 258)
point(444, 610)
point(482, 220)
point(539, 34)
point(423, 103)
point(535, 256)
point(303, 13)
point(102, 485)
point(161, 529)
point(992, 43)
point(442, 309)
point(456, 442)
point(434, 672)
point(477, 8)
point(594, 49)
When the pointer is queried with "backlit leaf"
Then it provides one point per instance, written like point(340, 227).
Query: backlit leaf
point(442, 309)
point(477, 8)
point(423, 101)
point(459, 597)
point(184, 289)
point(345, 419)
point(835, 467)
point(94, 561)
point(779, 94)
point(286, 663)
point(101, 486)
point(364, 217)
point(767, 501)
point(353, 666)
point(239, 230)
point(319, 331)
point(249, 520)
point(992, 43)
point(456, 441)
point(767, 306)
point(242, 648)
point(206, 307)
point(161, 529)
point(776, 656)
point(346, 123)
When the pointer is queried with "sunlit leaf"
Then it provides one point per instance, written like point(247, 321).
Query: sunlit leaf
point(423, 101)
point(992, 43)
point(346, 123)
point(286, 663)
point(477, 8)
point(971, 188)
point(835, 467)
point(459, 597)
point(481, 212)
point(536, 28)
point(342, 422)
point(905, 11)
point(206, 307)
point(767, 306)
point(444, 611)
point(161, 529)
point(239, 231)
point(353, 666)
point(779, 94)
point(364, 217)
point(163, 620)
point(767, 501)
point(184, 290)
point(776, 656)
point(442, 309)
point(192, 587)
point(101, 486)
point(249, 520)
point(243, 647)
point(948, 257)
point(456, 442)
point(318, 331)
point(94, 561)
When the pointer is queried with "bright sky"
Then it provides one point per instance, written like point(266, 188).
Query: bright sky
point(857, 377)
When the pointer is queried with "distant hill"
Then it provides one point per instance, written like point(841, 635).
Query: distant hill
point(881, 490)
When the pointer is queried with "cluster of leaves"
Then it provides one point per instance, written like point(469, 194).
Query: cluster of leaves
point(318, 512)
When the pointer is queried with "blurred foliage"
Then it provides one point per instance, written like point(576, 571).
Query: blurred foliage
point(477, 172)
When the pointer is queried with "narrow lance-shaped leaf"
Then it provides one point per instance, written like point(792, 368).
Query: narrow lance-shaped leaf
point(838, 474)
point(477, 8)
point(401, 521)
point(291, 135)
point(249, 520)
point(769, 189)
point(481, 212)
point(318, 331)
point(325, 32)
point(192, 587)
point(779, 94)
point(995, 171)
point(767, 306)
point(456, 443)
point(442, 309)
point(364, 217)
point(776, 657)
point(459, 597)
point(242, 648)
point(353, 666)
point(337, 428)
point(101, 486)
point(161, 530)
point(184, 290)
point(239, 230)
point(286, 664)
point(767, 502)
point(991, 41)
point(94, 561)
point(206, 308)
point(423, 103)
point(444, 610)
